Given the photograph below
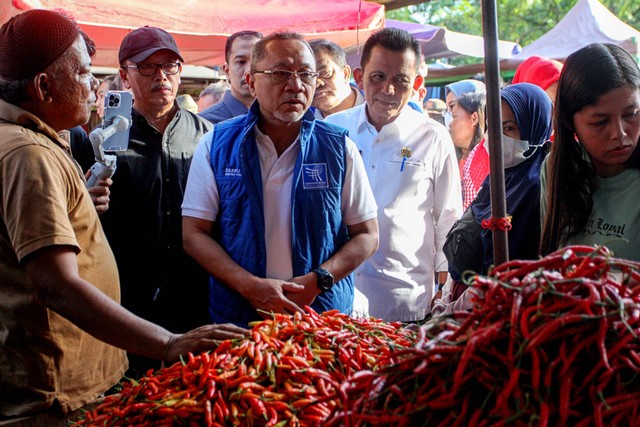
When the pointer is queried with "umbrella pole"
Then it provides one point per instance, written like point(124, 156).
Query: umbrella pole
point(494, 116)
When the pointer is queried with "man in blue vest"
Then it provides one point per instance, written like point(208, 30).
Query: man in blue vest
point(278, 207)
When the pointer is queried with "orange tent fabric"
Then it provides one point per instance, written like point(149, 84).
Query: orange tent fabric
point(201, 27)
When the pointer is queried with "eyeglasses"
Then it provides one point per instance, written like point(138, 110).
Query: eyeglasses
point(169, 68)
point(281, 76)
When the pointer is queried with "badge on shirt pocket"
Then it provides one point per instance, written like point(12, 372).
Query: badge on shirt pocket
point(314, 175)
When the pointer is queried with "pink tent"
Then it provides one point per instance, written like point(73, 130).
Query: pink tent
point(202, 26)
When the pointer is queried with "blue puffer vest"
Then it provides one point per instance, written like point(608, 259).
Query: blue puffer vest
point(317, 228)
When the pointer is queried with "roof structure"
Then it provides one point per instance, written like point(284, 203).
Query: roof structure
point(201, 27)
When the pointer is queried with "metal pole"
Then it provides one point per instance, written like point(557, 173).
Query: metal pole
point(494, 116)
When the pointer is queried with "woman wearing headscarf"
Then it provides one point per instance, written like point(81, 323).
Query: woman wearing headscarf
point(465, 119)
point(455, 90)
point(526, 128)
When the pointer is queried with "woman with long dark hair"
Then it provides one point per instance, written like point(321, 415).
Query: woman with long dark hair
point(592, 181)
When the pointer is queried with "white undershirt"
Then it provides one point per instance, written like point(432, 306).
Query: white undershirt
point(201, 199)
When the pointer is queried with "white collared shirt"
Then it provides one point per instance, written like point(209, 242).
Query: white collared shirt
point(417, 206)
point(359, 101)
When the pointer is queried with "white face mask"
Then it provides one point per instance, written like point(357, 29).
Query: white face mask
point(448, 117)
point(513, 151)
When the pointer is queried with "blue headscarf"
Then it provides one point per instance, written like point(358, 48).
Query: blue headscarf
point(465, 86)
point(532, 108)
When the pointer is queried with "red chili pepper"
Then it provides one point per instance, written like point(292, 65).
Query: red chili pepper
point(211, 389)
point(217, 409)
point(223, 347)
point(272, 417)
point(208, 414)
point(258, 408)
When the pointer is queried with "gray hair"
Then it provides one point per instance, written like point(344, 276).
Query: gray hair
point(332, 49)
point(259, 51)
point(216, 89)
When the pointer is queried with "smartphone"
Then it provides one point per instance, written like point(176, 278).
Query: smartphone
point(117, 103)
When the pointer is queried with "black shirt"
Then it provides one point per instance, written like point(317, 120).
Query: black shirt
point(143, 224)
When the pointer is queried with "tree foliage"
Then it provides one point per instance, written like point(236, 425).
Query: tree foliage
point(521, 21)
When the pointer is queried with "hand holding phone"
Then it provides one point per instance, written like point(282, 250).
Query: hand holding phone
point(117, 104)
point(113, 135)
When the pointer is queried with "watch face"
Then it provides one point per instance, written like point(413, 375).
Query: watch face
point(325, 279)
point(326, 282)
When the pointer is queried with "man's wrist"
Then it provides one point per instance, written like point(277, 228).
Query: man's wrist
point(325, 279)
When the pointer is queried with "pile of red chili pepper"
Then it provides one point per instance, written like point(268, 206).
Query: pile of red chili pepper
point(288, 373)
point(551, 342)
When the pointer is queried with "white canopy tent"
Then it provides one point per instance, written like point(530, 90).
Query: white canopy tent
point(589, 21)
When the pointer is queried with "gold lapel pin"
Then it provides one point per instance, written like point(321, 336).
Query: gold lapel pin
point(405, 153)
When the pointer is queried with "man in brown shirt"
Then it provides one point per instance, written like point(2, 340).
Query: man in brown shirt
point(60, 318)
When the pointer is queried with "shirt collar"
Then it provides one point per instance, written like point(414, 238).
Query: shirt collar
point(363, 120)
point(405, 120)
point(137, 116)
point(14, 114)
point(235, 106)
point(359, 101)
point(265, 139)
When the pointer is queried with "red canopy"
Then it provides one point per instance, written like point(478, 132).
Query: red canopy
point(201, 27)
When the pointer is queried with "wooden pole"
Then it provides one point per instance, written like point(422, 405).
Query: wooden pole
point(494, 116)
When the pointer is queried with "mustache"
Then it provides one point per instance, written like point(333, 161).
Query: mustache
point(161, 86)
point(295, 98)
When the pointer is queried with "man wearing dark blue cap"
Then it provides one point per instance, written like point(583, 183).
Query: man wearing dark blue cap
point(143, 224)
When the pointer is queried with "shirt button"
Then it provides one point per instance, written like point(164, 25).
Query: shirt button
point(168, 212)
point(373, 166)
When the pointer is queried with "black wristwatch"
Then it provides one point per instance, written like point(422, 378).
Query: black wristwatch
point(325, 279)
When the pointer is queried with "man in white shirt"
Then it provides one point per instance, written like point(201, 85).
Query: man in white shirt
point(334, 92)
point(278, 206)
point(412, 168)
